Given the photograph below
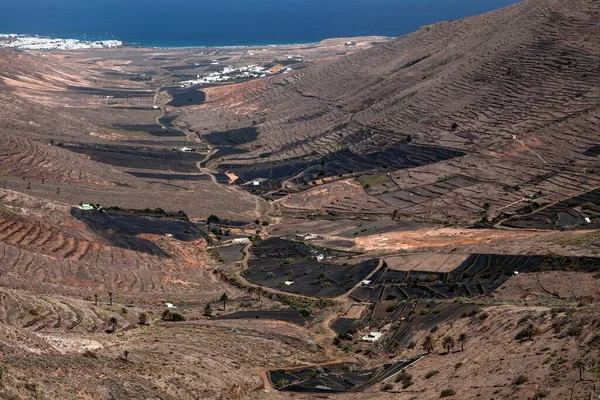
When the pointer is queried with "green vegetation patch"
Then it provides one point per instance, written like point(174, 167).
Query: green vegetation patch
point(125, 132)
point(373, 180)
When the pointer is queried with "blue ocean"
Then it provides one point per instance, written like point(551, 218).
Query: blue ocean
point(180, 23)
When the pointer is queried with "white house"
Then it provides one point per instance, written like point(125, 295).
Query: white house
point(372, 337)
point(240, 241)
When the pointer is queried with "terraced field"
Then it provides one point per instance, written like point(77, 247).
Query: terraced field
point(477, 275)
point(276, 261)
point(517, 112)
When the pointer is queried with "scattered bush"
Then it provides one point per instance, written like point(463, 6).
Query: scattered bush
point(431, 374)
point(483, 316)
point(405, 378)
point(281, 383)
point(142, 318)
point(89, 354)
point(168, 315)
point(519, 380)
point(540, 395)
point(388, 386)
point(527, 333)
point(458, 365)
point(447, 393)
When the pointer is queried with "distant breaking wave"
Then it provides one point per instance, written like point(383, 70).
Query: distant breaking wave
point(26, 42)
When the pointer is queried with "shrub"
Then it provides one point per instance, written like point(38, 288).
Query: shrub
point(483, 316)
point(142, 318)
point(388, 387)
point(527, 333)
point(540, 395)
point(405, 378)
point(269, 275)
point(390, 308)
point(89, 354)
point(447, 393)
point(281, 383)
point(172, 316)
point(431, 374)
point(458, 365)
point(212, 219)
point(519, 380)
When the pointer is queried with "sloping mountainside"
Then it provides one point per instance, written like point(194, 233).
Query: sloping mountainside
point(493, 108)
point(416, 218)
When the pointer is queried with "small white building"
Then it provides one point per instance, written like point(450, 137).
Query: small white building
point(85, 207)
point(289, 283)
point(366, 282)
point(319, 257)
point(186, 149)
point(372, 337)
point(240, 241)
point(256, 183)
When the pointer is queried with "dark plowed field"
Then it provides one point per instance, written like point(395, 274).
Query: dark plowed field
point(564, 215)
point(115, 93)
point(121, 230)
point(140, 157)
point(170, 177)
point(336, 379)
point(288, 316)
point(189, 96)
point(232, 138)
point(152, 129)
point(479, 274)
point(339, 163)
point(275, 261)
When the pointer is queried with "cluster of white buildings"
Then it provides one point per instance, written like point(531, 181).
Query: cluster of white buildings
point(43, 43)
point(228, 74)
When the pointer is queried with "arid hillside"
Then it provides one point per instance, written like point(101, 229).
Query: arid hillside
point(488, 109)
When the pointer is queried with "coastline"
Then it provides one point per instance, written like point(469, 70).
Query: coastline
point(36, 42)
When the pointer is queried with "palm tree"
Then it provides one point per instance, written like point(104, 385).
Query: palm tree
point(224, 299)
point(462, 338)
point(428, 343)
point(95, 299)
point(448, 343)
point(113, 322)
point(581, 365)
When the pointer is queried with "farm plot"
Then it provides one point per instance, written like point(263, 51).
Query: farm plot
point(406, 318)
point(340, 163)
point(579, 212)
point(336, 378)
point(113, 93)
point(182, 97)
point(152, 129)
point(232, 138)
point(140, 157)
point(170, 177)
point(291, 316)
point(478, 274)
point(122, 230)
point(303, 269)
point(231, 253)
